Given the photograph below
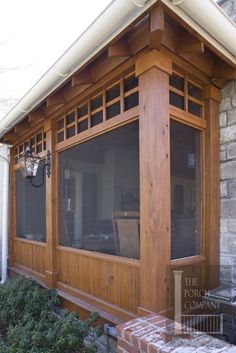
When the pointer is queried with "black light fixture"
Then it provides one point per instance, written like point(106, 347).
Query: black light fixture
point(29, 163)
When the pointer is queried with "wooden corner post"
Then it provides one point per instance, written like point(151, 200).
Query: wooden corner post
point(212, 184)
point(12, 208)
point(51, 270)
point(153, 70)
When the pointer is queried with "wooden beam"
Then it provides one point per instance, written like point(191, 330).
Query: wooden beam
point(22, 126)
point(104, 65)
point(119, 49)
point(4, 142)
point(55, 99)
point(190, 44)
point(9, 136)
point(72, 92)
point(37, 115)
point(223, 71)
point(83, 78)
point(156, 27)
point(211, 92)
point(140, 38)
point(219, 83)
point(153, 58)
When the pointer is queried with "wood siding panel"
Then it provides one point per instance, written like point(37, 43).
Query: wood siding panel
point(30, 255)
point(110, 281)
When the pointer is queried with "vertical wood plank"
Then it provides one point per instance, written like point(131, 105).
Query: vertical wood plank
point(154, 186)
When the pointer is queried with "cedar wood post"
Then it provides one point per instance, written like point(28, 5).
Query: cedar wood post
point(12, 210)
point(212, 184)
point(51, 274)
point(153, 70)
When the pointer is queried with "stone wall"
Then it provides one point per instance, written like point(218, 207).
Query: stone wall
point(228, 177)
point(228, 167)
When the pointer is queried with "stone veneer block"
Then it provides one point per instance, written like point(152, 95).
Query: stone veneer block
point(228, 134)
point(232, 117)
point(225, 104)
point(223, 119)
point(231, 151)
point(155, 334)
point(226, 243)
point(228, 90)
point(232, 225)
point(232, 188)
point(224, 225)
point(228, 208)
point(234, 101)
point(224, 189)
point(223, 156)
point(228, 169)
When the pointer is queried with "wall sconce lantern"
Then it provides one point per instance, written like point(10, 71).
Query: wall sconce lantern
point(29, 163)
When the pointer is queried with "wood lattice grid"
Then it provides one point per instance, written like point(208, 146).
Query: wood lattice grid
point(37, 143)
point(186, 94)
point(107, 103)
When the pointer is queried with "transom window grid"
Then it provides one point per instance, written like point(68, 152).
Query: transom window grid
point(186, 95)
point(110, 102)
point(36, 142)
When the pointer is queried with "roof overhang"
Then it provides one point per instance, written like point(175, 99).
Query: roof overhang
point(113, 20)
point(204, 17)
point(207, 19)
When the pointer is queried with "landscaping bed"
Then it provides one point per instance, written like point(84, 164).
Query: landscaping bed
point(31, 321)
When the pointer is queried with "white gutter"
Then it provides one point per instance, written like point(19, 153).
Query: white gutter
point(5, 199)
point(113, 20)
point(206, 16)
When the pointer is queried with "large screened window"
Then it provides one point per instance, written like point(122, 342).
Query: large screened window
point(99, 193)
point(185, 190)
point(30, 208)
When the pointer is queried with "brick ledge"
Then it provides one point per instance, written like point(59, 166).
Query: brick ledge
point(155, 334)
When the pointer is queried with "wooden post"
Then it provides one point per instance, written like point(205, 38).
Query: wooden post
point(153, 70)
point(212, 184)
point(12, 209)
point(51, 272)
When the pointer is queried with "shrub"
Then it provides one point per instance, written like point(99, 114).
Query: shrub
point(30, 323)
point(23, 296)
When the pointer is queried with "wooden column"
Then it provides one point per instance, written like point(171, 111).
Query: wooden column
point(12, 211)
point(51, 272)
point(212, 183)
point(153, 70)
